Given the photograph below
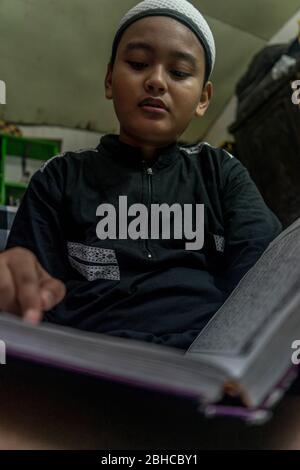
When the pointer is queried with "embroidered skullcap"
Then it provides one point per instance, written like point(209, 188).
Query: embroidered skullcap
point(181, 10)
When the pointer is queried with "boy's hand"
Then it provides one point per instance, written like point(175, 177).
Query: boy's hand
point(26, 289)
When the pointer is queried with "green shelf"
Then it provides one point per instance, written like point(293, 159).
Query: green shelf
point(36, 149)
point(33, 148)
point(15, 184)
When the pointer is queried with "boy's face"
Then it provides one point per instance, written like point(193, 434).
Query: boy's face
point(157, 57)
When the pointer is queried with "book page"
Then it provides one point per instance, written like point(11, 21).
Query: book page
point(263, 295)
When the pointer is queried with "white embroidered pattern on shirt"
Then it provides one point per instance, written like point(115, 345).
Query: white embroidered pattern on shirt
point(229, 154)
point(46, 163)
point(80, 254)
point(92, 254)
point(92, 273)
point(193, 149)
point(220, 243)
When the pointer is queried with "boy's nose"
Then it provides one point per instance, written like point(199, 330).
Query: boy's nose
point(156, 79)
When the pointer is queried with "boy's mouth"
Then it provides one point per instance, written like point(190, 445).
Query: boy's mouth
point(153, 105)
point(154, 111)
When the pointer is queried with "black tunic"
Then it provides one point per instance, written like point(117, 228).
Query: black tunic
point(151, 289)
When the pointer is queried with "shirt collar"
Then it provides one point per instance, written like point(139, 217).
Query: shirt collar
point(130, 155)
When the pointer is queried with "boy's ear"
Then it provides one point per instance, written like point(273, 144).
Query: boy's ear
point(205, 99)
point(108, 82)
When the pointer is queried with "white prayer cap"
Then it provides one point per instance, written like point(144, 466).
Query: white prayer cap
point(181, 10)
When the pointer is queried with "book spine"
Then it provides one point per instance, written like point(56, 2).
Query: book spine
point(253, 416)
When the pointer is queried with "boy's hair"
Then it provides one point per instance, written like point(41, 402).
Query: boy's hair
point(182, 11)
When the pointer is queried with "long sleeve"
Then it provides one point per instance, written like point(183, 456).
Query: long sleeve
point(38, 222)
point(249, 223)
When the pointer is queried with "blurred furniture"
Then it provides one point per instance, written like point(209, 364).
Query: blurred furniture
point(25, 149)
point(267, 134)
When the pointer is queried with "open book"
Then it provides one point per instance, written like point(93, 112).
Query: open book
point(245, 351)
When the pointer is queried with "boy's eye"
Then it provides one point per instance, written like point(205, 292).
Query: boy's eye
point(180, 75)
point(176, 73)
point(137, 65)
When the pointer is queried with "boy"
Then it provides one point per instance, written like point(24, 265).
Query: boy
point(87, 216)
